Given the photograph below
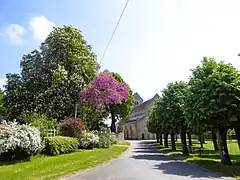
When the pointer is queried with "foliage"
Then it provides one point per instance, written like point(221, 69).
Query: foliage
point(173, 97)
point(16, 96)
point(2, 107)
point(18, 141)
point(105, 139)
point(88, 140)
point(105, 90)
point(214, 99)
point(215, 92)
point(52, 76)
point(72, 127)
point(60, 145)
point(93, 118)
point(42, 122)
point(123, 109)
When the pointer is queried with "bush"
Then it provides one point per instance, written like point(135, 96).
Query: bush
point(113, 141)
point(42, 123)
point(72, 127)
point(60, 145)
point(18, 141)
point(104, 139)
point(89, 141)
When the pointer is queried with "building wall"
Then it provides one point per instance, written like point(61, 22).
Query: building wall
point(142, 130)
point(130, 131)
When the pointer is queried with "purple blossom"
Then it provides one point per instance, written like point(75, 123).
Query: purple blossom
point(105, 90)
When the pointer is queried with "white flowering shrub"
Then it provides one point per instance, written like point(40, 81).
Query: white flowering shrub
point(18, 141)
point(89, 140)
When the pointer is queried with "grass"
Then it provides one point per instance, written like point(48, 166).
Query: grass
point(124, 143)
point(209, 159)
point(53, 167)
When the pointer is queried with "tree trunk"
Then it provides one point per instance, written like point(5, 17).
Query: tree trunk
point(176, 137)
point(165, 140)
point(214, 139)
point(189, 139)
point(222, 142)
point(113, 125)
point(201, 140)
point(160, 139)
point(173, 141)
point(157, 135)
point(184, 141)
point(189, 142)
point(236, 126)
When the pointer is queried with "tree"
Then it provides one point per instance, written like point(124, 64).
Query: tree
point(2, 107)
point(122, 110)
point(154, 122)
point(15, 96)
point(157, 122)
point(106, 91)
point(52, 76)
point(215, 93)
point(173, 97)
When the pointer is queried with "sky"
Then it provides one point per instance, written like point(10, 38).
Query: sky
point(157, 41)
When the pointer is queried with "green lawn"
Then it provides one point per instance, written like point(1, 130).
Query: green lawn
point(52, 167)
point(209, 158)
point(124, 143)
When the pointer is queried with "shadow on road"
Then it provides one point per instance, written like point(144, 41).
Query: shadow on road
point(170, 165)
point(185, 169)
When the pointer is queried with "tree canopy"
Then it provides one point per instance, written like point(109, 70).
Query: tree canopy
point(51, 77)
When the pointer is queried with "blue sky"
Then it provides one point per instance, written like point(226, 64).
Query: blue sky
point(157, 42)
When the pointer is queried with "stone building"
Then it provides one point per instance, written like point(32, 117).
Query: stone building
point(134, 127)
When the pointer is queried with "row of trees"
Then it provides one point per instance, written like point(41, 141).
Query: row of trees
point(52, 77)
point(209, 101)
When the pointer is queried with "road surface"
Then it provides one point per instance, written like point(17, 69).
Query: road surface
point(142, 162)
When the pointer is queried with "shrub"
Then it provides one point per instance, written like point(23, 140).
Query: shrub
point(72, 127)
point(18, 141)
point(42, 123)
point(60, 145)
point(113, 141)
point(104, 139)
point(104, 142)
point(89, 141)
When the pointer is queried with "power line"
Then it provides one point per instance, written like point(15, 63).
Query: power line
point(114, 31)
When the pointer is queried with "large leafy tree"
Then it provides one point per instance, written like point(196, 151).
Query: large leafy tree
point(2, 107)
point(107, 91)
point(123, 109)
point(52, 76)
point(155, 120)
point(216, 101)
point(173, 97)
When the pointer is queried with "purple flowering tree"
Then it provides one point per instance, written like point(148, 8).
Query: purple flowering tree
point(105, 90)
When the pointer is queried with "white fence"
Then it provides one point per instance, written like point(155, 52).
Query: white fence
point(118, 136)
point(51, 132)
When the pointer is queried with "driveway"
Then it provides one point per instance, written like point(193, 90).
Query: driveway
point(142, 162)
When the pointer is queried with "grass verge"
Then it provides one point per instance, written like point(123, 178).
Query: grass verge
point(123, 143)
point(53, 167)
point(208, 159)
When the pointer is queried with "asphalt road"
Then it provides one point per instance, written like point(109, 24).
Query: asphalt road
point(142, 162)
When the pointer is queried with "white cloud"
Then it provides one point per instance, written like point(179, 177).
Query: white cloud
point(41, 27)
point(2, 82)
point(14, 33)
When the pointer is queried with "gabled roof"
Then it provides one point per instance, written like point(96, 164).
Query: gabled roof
point(145, 105)
point(136, 95)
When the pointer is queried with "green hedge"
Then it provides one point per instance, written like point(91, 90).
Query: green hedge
point(60, 145)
